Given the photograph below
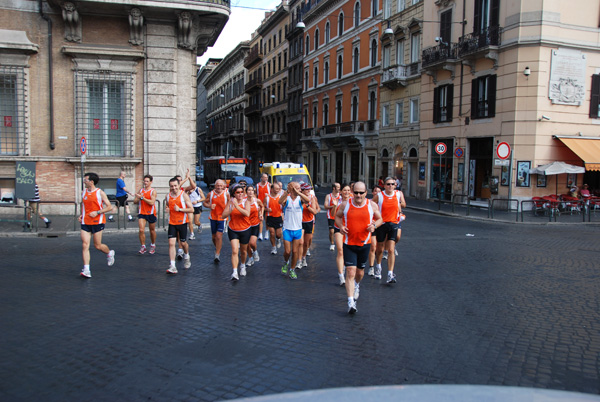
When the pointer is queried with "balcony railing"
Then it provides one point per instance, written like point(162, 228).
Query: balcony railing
point(272, 137)
point(252, 109)
point(398, 75)
point(351, 128)
point(254, 82)
point(254, 56)
point(439, 54)
point(474, 42)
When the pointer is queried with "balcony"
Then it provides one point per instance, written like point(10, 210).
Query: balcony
point(398, 76)
point(255, 56)
point(436, 56)
point(276, 138)
point(252, 136)
point(253, 110)
point(480, 43)
point(254, 83)
point(310, 133)
point(349, 132)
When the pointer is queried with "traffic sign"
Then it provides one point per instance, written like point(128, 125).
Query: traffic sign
point(459, 152)
point(83, 145)
point(503, 150)
point(440, 148)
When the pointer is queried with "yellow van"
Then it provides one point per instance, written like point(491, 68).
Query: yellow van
point(286, 172)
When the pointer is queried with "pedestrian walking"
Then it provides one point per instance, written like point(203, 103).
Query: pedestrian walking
point(238, 212)
point(94, 204)
point(357, 219)
point(146, 198)
point(121, 195)
point(34, 208)
point(180, 206)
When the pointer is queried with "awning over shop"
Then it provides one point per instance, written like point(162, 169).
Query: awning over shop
point(588, 149)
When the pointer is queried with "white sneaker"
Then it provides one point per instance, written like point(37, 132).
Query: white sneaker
point(192, 236)
point(395, 252)
point(242, 270)
point(86, 273)
point(304, 264)
point(331, 247)
point(351, 307)
point(356, 291)
point(255, 256)
point(199, 229)
point(260, 238)
point(267, 235)
point(377, 273)
point(342, 279)
point(278, 243)
point(172, 270)
point(187, 263)
point(391, 277)
point(234, 276)
point(371, 271)
point(217, 258)
point(299, 264)
point(274, 250)
point(308, 252)
point(250, 262)
point(110, 258)
point(385, 254)
point(180, 254)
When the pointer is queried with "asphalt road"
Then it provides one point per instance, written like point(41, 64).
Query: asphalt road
point(477, 302)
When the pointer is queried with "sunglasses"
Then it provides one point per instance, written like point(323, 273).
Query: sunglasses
point(239, 192)
point(390, 184)
point(360, 192)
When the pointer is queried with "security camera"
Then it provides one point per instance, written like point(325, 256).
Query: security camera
point(438, 39)
point(544, 117)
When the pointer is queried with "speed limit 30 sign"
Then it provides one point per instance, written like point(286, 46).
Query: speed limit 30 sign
point(440, 148)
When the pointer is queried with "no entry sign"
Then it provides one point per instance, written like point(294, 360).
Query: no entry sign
point(503, 150)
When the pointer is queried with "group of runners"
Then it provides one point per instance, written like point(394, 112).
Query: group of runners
point(361, 231)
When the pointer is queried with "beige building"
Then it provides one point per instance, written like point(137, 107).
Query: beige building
point(500, 75)
point(398, 147)
point(121, 75)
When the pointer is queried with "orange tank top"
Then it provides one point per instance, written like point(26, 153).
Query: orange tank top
point(308, 216)
point(254, 220)
point(237, 220)
point(331, 212)
point(92, 201)
point(145, 208)
point(177, 217)
point(273, 203)
point(219, 200)
point(389, 205)
point(263, 190)
point(357, 219)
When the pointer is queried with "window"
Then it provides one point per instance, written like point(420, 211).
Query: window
point(373, 52)
point(103, 112)
point(317, 39)
point(305, 118)
point(341, 24)
point(356, 14)
point(285, 59)
point(483, 97)
point(415, 47)
point(12, 110)
point(414, 110)
point(325, 114)
point(327, 33)
point(280, 36)
point(442, 103)
point(385, 115)
point(354, 108)
point(399, 113)
point(374, 7)
point(316, 77)
point(314, 116)
point(595, 99)
point(415, 1)
point(446, 26)
point(401, 5)
point(355, 60)
point(306, 80)
point(278, 62)
point(326, 73)
point(486, 15)
point(387, 9)
point(372, 106)
point(340, 66)
point(400, 52)
point(307, 44)
point(386, 56)
point(338, 111)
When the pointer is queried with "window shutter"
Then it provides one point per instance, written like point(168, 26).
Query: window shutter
point(477, 17)
point(492, 96)
point(595, 99)
point(474, 112)
point(495, 13)
point(436, 105)
point(446, 26)
point(449, 102)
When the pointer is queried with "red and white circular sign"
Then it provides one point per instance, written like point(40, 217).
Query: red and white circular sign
point(503, 150)
point(440, 148)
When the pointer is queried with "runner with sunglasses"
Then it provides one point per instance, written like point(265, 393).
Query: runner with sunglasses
point(357, 219)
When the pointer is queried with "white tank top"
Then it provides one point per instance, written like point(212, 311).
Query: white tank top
point(292, 210)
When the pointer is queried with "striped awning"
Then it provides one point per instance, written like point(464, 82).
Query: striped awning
point(588, 149)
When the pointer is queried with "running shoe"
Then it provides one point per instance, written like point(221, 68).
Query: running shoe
point(187, 263)
point(377, 272)
point(110, 219)
point(284, 268)
point(250, 262)
point(278, 243)
point(274, 250)
point(172, 270)
point(308, 252)
point(385, 254)
point(234, 276)
point(331, 247)
point(86, 273)
point(391, 277)
point(152, 249)
point(299, 264)
point(371, 271)
point(260, 237)
point(267, 235)
point(293, 274)
point(180, 254)
point(142, 250)
point(304, 263)
point(351, 307)
point(342, 279)
point(255, 256)
point(356, 291)
point(217, 258)
point(111, 258)
point(199, 229)
point(242, 270)
point(132, 219)
point(192, 236)
point(395, 252)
